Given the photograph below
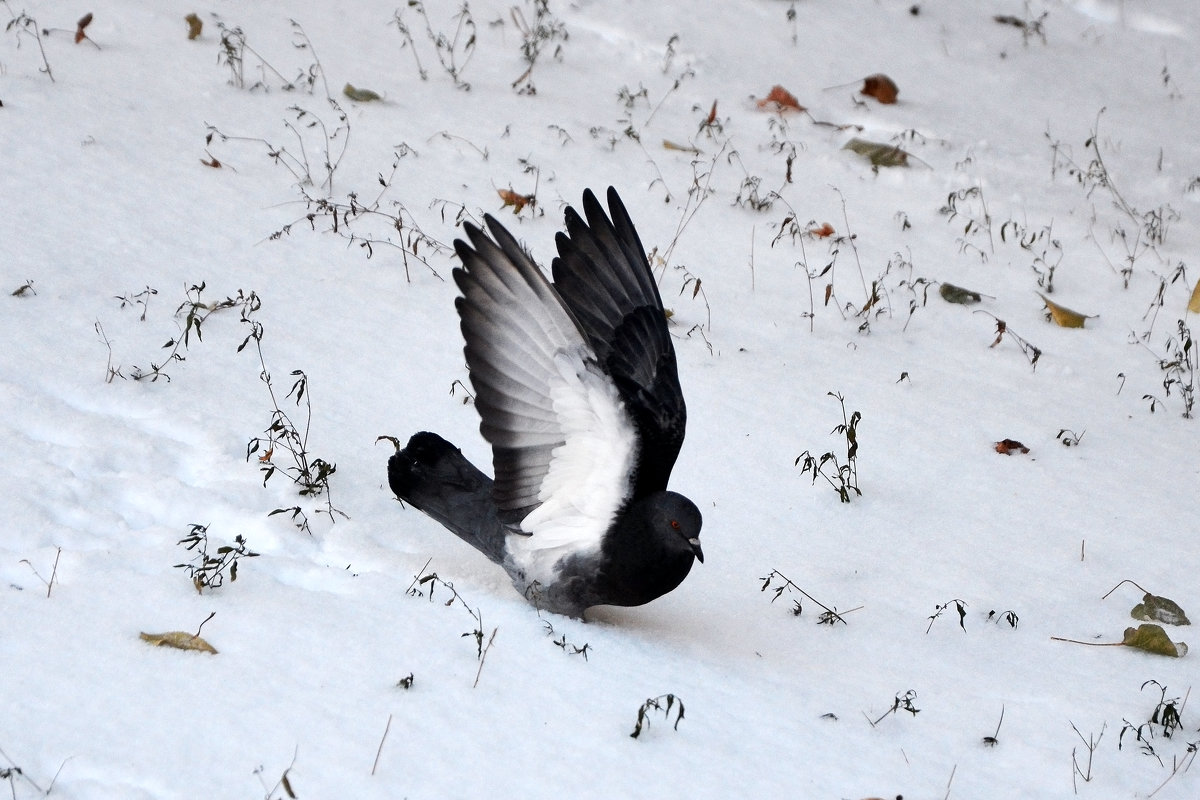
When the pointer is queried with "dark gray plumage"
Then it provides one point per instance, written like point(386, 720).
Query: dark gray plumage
point(578, 393)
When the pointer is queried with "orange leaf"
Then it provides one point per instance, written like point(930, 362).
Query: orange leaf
point(881, 87)
point(84, 21)
point(783, 100)
point(712, 114)
point(823, 231)
point(517, 201)
point(1006, 447)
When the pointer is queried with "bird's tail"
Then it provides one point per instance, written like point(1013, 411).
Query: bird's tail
point(433, 475)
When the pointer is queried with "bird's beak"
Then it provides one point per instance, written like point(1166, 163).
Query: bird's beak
point(695, 544)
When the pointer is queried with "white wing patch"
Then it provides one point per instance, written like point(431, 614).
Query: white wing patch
point(588, 479)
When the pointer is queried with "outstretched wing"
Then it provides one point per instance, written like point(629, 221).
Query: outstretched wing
point(562, 443)
point(603, 277)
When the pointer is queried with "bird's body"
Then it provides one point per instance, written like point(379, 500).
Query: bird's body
point(578, 394)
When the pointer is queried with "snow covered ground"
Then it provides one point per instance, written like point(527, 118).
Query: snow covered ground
point(1051, 151)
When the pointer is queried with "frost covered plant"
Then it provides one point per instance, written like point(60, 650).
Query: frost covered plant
point(841, 475)
point(195, 310)
point(24, 25)
point(546, 31)
point(208, 570)
point(903, 702)
point(1179, 367)
point(779, 583)
point(454, 51)
point(284, 441)
point(663, 703)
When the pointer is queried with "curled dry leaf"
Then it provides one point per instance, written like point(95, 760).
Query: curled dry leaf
point(822, 231)
point(1063, 316)
point(881, 87)
point(878, 153)
point(1159, 609)
point(360, 95)
point(180, 640)
point(956, 294)
point(84, 21)
point(195, 26)
point(686, 148)
point(1153, 639)
point(781, 99)
point(517, 201)
point(1006, 447)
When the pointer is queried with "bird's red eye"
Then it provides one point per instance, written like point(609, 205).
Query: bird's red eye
point(675, 524)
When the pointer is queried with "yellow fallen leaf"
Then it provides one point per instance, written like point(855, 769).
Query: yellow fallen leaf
point(1063, 316)
point(686, 148)
point(1194, 303)
point(180, 640)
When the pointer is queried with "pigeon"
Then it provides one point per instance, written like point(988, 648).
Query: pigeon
point(577, 389)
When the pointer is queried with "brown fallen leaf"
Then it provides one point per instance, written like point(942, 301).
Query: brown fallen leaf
point(1006, 447)
point(179, 640)
point(195, 26)
point(84, 21)
point(517, 201)
point(782, 99)
point(881, 87)
point(1063, 316)
point(822, 231)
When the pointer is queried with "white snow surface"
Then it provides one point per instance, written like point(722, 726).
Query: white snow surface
point(107, 195)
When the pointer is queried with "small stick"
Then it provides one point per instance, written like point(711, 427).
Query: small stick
point(1118, 586)
point(383, 738)
point(483, 657)
point(1089, 644)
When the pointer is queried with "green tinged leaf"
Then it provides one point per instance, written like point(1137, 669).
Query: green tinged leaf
point(1159, 609)
point(1153, 639)
point(956, 294)
point(879, 154)
point(360, 95)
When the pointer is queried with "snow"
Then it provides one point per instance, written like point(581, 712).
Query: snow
point(106, 196)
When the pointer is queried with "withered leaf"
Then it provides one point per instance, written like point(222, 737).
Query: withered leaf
point(1153, 639)
point(1194, 302)
point(1006, 447)
point(360, 95)
point(179, 640)
point(1063, 316)
point(781, 99)
point(517, 201)
point(881, 87)
point(1159, 609)
point(195, 26)
point(878, 153)
point(956, 294)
